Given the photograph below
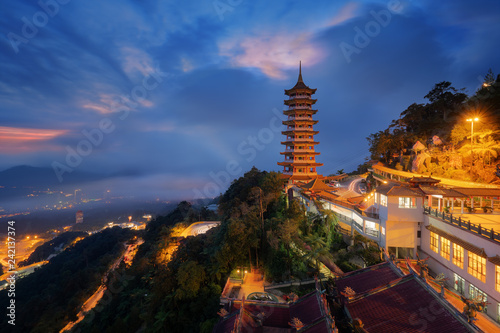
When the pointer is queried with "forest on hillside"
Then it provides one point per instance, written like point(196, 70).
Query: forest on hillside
point(180, 291)
point(434, 138)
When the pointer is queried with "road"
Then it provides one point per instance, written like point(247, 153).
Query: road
point(92, 301)
point(199, 228)
point(351, 188)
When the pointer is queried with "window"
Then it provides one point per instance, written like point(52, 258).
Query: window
point(497, 279)
point(475, 292)
point(458, 255)
point(477, 266)
point(434, 242)
point(375, 198)
point(383, 200)
point(445, 248)
point(406, 202)
point(459, 284)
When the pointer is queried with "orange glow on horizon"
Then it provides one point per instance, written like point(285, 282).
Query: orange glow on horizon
point(18, 139)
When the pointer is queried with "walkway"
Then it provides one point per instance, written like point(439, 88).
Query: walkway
point(485, 323)
point(380, 168)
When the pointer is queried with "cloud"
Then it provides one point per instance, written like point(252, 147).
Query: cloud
point(347, 12)
point(15, 140)
point(271, 54)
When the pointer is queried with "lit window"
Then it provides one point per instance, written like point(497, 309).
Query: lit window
point(406, 202)
point(476, 293)
point(445, 248)
point(383, 200)
point(375, 198)
point(459, 283)
point(497, 281)
point(458, 255)
point(434, 242)
point(477, 266)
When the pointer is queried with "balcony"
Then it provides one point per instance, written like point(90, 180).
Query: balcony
point(302, 107)
point(464, 224)
point(299, 96)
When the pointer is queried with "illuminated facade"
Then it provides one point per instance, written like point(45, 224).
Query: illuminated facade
point(300, 156)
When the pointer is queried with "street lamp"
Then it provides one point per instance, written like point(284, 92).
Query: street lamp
point(472, 120)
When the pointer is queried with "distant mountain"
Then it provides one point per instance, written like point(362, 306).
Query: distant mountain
point(23, 176)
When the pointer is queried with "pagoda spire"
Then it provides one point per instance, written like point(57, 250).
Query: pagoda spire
point(300, 72)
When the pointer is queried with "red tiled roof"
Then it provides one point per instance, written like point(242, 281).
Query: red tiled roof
point(226, 324)
point(395, 189)
point(308, 308)
point(445, 192)
point(423, 179)
point(277, 316)
point(479, 192)
point(368, 278)
point(495, 260)
point(404, 307)
point(316, 185)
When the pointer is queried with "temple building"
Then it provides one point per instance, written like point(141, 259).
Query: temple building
point(300, 157)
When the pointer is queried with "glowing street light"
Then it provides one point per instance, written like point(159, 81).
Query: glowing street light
point(472, 120)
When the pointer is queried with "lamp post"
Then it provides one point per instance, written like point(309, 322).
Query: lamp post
point(472, 120)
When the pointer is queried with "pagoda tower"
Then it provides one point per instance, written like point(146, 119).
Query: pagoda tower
point(300, 157)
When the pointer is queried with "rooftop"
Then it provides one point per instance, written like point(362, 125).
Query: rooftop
point(404, 305)
point(368, 278)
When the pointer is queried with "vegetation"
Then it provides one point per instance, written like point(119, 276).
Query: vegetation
point(173, 284)
point(50, 247)
point(441, 126)
point(180, 293)
point(50, 297)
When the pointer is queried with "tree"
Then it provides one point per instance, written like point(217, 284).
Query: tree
point(318, 248)
point(445, 99)
point(190, 278)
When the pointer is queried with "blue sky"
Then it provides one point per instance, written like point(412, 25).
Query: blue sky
point(181, 93)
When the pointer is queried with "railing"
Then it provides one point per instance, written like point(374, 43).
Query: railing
point(292, 283)
point(371, 232)
point(300, 96)
point(368, 231)
point(299, 118)
point(302, 107)
point(464, 224)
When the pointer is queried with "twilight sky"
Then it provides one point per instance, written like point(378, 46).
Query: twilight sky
point(184, 95)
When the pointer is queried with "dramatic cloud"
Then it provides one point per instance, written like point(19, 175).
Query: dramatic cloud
point(190, 88)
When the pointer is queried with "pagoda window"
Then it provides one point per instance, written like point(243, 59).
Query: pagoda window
point(310, 137)
point(311, 158)
point(312, 169)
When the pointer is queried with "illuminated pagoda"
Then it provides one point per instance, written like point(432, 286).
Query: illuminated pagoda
point(300, 158)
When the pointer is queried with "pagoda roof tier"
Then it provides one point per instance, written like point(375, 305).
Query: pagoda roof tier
point(293, 111)
point(294, 131)
point(300, 100)
point(300, 121)
point(305, 177)
point(300, 85)
point(296, 163)
point(289, 142)
point(300, 153)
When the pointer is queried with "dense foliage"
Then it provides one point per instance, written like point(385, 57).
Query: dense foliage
point(46, 249)
point(51, 296)
point(444, 117)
